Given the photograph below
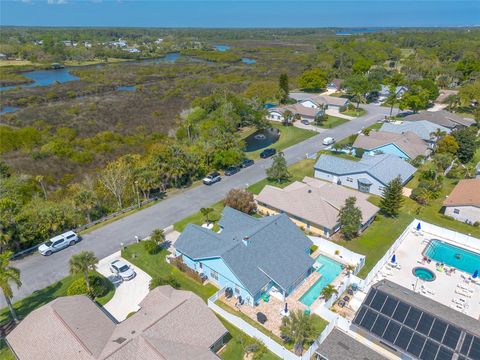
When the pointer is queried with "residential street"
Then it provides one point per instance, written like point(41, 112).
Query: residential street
point(38, 272)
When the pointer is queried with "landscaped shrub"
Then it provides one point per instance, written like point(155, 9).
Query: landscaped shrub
point(151, 246)
point(313, 248)
point(159, 281)
point(178, 263)
point(359, 152)
point(98, 284)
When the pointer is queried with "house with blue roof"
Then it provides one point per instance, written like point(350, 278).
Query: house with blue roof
point(252, 256)
point(370, 175)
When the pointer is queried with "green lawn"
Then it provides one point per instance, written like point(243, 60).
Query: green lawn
point(333, 121)
point(359, 112)
point(156, 266)
point(297, 171)
point(43, 296)
point(234, 349)
point(289, 135)
point(198, 217)
point(5, 352)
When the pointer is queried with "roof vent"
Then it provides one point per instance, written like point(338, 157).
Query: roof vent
point(246, 240)
point(309, 191)
point(120, 340)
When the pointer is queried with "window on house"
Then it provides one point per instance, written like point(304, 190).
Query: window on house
point(349, 179)
point(456, 211)
point(381, 188)
point(214, 275)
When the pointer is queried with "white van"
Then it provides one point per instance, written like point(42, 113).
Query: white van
point(58, 243)
point(328, 141)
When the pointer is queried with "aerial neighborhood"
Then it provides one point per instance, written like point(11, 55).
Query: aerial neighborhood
point(257, 194)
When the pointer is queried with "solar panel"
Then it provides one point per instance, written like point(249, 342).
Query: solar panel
point(416, 344)
point(389, 306)
point(425, 323)
point(466, 344)
point(403, 338)
point(391, 331)
point(378, 301)
point(413, 317)
point(451, 337)
point(475, 349)
point(429, 350)
point(444, 354)
point(400, 312)
point(438, 330)
point(418, 333)
point(380, 325)
point(369, 319)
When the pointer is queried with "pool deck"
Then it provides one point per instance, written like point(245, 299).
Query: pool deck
point(444, 289)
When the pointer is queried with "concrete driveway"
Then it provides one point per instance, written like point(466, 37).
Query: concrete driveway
point(128, 294)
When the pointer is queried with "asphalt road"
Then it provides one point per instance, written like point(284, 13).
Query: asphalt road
point(38, 272)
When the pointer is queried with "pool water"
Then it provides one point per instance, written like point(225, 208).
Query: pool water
point(424, 274)
point(329, 270)
point(454, 256)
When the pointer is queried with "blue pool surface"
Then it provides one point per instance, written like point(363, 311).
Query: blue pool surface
point(329, 270)
point(452, 255)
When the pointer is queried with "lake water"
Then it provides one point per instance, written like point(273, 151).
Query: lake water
point(8, 109)
point(45, 78)
point(249, 61)
point(222, 48)
point(357, 31)
point(126, 88)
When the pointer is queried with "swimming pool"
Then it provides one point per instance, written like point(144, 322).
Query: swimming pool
point(329, 269)
point(452, 255)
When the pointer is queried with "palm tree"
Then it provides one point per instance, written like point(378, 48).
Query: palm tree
point(206, 213)
point(158, 235)
point(298, 328)
point(8, 274)
point(328, 292)
point(82, 263)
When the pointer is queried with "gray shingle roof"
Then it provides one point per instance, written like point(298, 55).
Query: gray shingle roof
point(340, 346)
point(441, 117)
point(384, 167)
point(276, 248)
point(422, 128)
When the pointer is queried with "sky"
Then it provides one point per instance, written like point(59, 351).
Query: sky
point(240, 14)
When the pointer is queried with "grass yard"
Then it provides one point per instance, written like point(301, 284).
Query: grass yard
point(5, 352)
point(297, 171)
point(234, 349)
point(355, 112)
point(156, 266)
point(333, 121)
point(43, 296)
point(289, 135)
point(198, 217)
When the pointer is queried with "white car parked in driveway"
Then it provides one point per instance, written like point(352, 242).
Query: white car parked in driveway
point(58, 243)
point(122, 269)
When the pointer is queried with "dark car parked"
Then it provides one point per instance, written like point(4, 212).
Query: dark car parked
point(267, 153)
point(247, 163)
point(232, 170)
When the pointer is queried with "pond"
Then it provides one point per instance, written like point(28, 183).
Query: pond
point(45, 78)
point(126, 88)
point(261, 139)
point(8, 109)
point(248, 61)
point(221, 48)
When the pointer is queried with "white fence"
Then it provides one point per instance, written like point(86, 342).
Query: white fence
point(271, 344)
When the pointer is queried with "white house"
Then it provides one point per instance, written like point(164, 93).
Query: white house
point(299, 112)
point(330, 102)
point(463, 203)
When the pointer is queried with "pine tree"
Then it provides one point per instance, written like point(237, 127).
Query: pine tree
point(350, 218)
point(392, 197)
point(279, 170)
point(283, 85)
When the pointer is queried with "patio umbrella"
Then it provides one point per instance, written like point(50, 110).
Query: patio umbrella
point(419, 227)
point(475, 274)
point(394, 259)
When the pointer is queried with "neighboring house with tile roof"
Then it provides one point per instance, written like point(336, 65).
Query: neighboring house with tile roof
point(370, 175)
point(442, 117)
point(407, 145)
point(313, 204)
point(252, 256)
point(299, 112)
point(463, 203)
point(170, 325)
point(422, 128)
